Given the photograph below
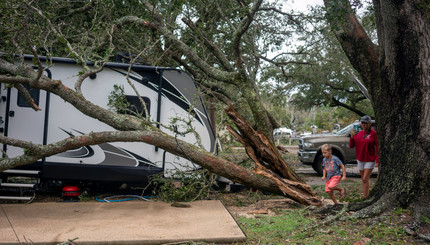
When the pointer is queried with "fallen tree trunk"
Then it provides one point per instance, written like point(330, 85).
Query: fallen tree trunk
point(131, 129)
point(269, 162)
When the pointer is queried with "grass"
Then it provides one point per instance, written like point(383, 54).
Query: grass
point(299, 225)
point(293, 227)
point(425, 219)
point(275, 229)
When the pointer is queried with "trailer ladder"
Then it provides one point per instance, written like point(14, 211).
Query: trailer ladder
point(15, 184)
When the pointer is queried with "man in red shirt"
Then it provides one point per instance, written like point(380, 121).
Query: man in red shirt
point(366, 148)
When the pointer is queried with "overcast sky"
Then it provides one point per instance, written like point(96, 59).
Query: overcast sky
point(301, 5)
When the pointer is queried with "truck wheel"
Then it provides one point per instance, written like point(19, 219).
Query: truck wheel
point(317, 166)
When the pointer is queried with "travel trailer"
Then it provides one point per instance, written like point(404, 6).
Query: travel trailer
point(168, 93)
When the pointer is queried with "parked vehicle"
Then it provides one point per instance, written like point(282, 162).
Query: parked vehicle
point(282, 132)
point(168, 93)
point(310, 147)
point(305, 133)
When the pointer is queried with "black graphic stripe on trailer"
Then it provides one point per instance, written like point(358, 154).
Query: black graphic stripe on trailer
point(112, 155)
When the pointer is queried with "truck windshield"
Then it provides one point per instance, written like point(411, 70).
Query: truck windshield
point(345, 129)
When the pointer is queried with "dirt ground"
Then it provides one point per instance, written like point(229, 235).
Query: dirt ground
point(248, 204)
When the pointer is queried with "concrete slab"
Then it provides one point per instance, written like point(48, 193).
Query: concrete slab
point(132, 222)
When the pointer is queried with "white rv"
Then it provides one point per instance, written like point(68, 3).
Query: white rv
point(168, 93)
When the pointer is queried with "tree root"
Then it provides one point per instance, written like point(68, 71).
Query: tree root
point(337, 216)
point(365, 209)
point(372, 209)
point(383, 204)
point(328, 209)
point(360, 205)
point(425, 237)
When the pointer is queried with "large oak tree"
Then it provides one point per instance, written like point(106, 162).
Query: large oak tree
point(397, 74)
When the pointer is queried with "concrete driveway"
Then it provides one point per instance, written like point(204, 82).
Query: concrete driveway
point(132, 222)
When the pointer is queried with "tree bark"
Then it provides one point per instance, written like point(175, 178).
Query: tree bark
point(397, 76)
point(405, 75)
point(269, 162)
point(258, 146)
point(299, 192)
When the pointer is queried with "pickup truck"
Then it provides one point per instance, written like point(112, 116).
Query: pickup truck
point(310, 147)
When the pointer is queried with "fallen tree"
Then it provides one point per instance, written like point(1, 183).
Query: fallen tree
point(278, 178)
point(226, 71)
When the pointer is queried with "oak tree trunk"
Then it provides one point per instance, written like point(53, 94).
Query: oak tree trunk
point(403, 103)
point(397, 74)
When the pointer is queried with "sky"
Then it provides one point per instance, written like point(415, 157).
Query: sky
point(301, 5)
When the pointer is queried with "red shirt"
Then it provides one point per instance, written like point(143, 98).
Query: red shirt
point(366, 146)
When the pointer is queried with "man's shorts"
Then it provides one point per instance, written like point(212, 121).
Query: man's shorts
point(332, 182)
point(365, 165)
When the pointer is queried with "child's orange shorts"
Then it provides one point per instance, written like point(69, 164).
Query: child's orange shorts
point(332, 182)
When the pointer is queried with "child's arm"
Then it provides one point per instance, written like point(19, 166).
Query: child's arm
point(343, 171)
point(324, 174)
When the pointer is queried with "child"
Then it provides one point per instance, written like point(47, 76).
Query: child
point(331, 173)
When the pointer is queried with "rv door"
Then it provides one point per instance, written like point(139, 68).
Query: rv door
point(20, 121)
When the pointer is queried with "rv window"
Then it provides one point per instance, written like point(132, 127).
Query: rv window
point(34, 93)
point(135, 106)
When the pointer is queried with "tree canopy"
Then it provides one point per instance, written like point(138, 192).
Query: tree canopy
point(317, 72)
point(219, 48)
